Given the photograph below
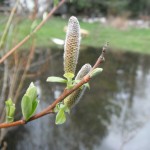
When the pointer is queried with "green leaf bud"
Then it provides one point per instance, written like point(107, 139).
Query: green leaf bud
point(10, 110)
point(29, 102)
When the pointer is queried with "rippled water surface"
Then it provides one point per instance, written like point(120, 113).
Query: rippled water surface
point(113, 115)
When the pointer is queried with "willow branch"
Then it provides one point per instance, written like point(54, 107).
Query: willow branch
point(65, 93)
point(2, 40)
point(32, 33)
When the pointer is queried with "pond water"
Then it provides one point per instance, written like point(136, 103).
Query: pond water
point(113, 115)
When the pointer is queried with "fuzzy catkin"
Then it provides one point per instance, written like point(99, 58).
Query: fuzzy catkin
point(72, 44)
point(75, 97)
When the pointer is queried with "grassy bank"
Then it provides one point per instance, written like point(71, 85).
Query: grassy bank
point(137, 40)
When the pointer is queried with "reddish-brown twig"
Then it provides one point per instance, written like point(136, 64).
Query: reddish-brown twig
point(32, 33)
point(50, 108)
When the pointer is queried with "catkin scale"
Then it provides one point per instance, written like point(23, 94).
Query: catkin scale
point(72, 44)
point(75, 97)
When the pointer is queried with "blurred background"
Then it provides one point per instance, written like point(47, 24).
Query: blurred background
point(115, 113)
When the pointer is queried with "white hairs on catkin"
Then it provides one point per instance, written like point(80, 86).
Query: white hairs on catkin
point(72, 45)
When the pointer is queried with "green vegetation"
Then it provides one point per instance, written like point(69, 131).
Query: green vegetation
point(134, 8)
point(132, 39)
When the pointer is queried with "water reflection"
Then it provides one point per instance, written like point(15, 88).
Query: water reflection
point(113, 115)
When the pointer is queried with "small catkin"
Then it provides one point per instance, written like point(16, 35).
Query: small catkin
point(75, 97)
point(72, 44)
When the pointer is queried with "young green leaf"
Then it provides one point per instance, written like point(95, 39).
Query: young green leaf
point(32, 92)
point(60, 109)
point(10, 110)
point(56, 79)
point(26, 105)
point(60, 117)
point(34, 106)
point(95, 72)
point(29, 102)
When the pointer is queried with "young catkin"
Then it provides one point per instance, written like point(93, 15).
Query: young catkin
point(75, 97)
point(72, 44)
